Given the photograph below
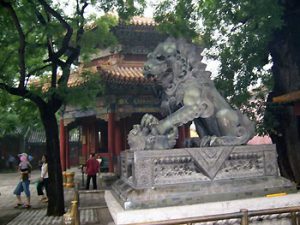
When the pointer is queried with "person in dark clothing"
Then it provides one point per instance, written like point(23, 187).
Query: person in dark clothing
point(92, 168)
point(43, 181)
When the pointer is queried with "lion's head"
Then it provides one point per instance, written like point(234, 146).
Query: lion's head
point(175, 61)
point(159, 62)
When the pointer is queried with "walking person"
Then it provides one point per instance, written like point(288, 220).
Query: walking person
point(92, 168)
point(43, 181)
point(25, 170)
point(11, 162)
point(99, 160)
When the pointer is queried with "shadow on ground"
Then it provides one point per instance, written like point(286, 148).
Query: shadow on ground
point(7, 215)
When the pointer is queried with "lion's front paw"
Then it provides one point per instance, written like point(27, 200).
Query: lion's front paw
point(149, 120)
point(136, 138)
point(208, 141)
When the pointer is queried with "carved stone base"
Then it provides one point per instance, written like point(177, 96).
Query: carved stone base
point(188, 176)
point(192, 193)
point(161, 215)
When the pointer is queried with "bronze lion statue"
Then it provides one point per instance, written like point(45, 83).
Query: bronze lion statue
point(188, 95)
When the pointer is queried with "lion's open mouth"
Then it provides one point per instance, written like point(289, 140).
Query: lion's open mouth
point(148, 74)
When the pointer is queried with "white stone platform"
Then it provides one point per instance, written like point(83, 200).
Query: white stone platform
point(121, 216)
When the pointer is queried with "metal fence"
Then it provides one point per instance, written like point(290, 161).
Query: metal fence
point(244, 217)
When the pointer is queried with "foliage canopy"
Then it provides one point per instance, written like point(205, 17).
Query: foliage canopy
point(237, 34)
point(40, 41)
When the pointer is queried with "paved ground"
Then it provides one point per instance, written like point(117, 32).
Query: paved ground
point(96, 213)
point(8, 199)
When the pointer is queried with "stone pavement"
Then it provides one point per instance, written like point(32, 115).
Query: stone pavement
point(37, 214)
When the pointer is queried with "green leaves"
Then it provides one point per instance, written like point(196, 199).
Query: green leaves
point(83, 94)
point(99, 36)
point(124, 8)
point(241, 31)
point(37, 65)
point(238, 33)
point(16, 114)
point(177, 18)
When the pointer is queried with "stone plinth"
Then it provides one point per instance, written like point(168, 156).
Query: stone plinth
point(160, 178)
point(157, 215)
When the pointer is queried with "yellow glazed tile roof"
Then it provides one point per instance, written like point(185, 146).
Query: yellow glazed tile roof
point(123, 74)
point(142, 21)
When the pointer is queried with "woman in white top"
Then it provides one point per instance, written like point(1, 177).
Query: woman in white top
point(43, 182)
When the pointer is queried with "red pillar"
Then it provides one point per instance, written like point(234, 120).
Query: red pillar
point(67, 149)
point(124, 135)
point(84, 143)
point(297, 108)
point(62, 143)
point(123, 139)
point(187, 130)
point(111, 146)
point(181, 136)
point(118, 139)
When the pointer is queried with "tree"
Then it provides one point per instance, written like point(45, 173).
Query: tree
point(15, 117)
point(284, 48)
point(245, 36)
point(39, 40)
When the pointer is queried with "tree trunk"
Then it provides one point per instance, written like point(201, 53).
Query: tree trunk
point(285, 51)
point(56, 194)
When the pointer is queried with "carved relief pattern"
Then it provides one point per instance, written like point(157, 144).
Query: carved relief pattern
point(157, 168)
point(143, 173)
point(123, 166)
point(210, 160)
point(271, 168)
point(242, 164)
point(157, 178)
point(178, 169)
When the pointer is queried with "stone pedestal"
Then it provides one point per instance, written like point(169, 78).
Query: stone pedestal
point(160, 178)
point(157, 215)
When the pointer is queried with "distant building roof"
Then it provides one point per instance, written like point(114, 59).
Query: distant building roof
point(39, 136)
point(123, 74)
point(120, 69)
point(138, 38)
point(36, 136)
point(142, 21)
point(114, 69)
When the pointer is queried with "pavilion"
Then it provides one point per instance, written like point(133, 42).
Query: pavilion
point(104, 129)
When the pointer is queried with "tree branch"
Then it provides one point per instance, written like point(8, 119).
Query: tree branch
point(67, 37)
point(43, 21)
point(24, 93)
point(55, 102)
point(80, 30)
point(22, 43)
point(10, 53)
point(37, 69)
point(4, 62)
point(55, 62)
point(54, 75)
point(75, 51)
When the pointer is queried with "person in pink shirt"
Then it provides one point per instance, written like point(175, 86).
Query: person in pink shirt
point(23, 185)
point(92, 168)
